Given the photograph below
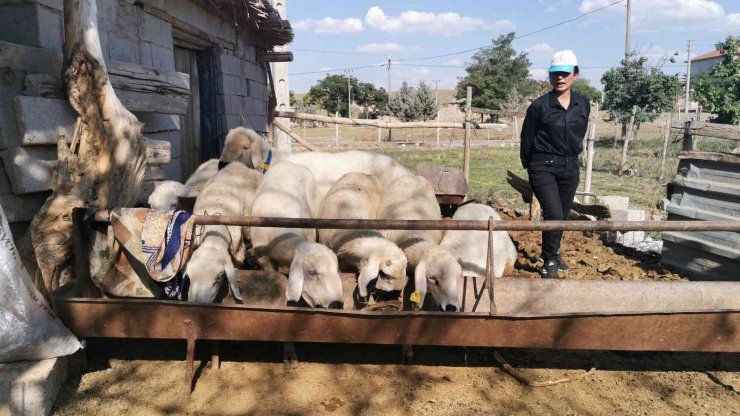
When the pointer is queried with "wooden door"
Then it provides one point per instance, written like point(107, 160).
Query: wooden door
point(185, 61)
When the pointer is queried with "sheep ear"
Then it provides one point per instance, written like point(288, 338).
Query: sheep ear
point(420, 282)
point(367, 273)
point(230, 272)
point(295, 281)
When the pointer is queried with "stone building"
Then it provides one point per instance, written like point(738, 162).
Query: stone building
point(189, 69)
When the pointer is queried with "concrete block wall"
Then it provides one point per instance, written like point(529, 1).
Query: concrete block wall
point(127, 34)
point(242, 89)
point(33, 23)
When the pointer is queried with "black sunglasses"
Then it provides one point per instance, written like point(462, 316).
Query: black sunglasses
point(560, 74)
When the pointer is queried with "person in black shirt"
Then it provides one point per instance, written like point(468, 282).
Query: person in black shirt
point(551, 140)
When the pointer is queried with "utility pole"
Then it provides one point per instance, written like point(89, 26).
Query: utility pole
point(627, 35)
point(436, 102)
point(688, 80)
point(389, 76)
point(349, 92)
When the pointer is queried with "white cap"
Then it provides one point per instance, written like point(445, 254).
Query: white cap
point(563, 61)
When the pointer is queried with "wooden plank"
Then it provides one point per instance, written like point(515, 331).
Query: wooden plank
point(720, 131)
point(154, 103)
point(276, 56)
point(296, 137)
point(504, 113)
point(157, 151)
point(713, 156)
point(376, 123)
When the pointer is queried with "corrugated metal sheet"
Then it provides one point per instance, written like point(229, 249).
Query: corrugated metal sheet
point(706, 188)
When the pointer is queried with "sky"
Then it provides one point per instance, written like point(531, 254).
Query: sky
point(331, 35)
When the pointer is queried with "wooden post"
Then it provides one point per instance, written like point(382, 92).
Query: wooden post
point(516, 128)
point(589, 162)
point(666, 136)
point(336, 131)
point(466, 151)
point(437, 129)
point(698, 113)
point(379, 134)
point(104, 167)
point(688, 138)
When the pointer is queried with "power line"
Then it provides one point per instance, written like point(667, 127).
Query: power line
point(337, 52)
point(520, 36)
point(328, 71)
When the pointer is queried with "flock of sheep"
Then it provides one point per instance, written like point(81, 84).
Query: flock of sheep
point(250, 178)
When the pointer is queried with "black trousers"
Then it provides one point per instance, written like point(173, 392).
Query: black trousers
point(555, 191)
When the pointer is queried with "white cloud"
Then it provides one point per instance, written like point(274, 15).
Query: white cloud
point(668, 14)
point(538, 73)
point(455, 62)
point(734, 19)
point(330, 25)
point(447, 23)
point(539, 48)
point(380, 47)
point(325, 68)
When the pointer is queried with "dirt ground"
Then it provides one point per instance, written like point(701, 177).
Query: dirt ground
point(589, 256)
point(148, 377)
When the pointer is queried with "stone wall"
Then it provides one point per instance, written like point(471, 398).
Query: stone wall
point(29, 124)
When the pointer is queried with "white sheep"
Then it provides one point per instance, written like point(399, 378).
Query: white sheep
point(357, 196)
point(288, 191)
point(220, 249)
point(327, 168)
point(241, 145)
point(470, 248)
point(412, 197)
point(248, 147)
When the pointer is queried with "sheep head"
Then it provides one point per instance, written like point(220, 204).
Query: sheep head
point(388, 264)
point(245, 146)
point(314, 276)
point(164, 197)
point(206, 269)
point(438, 273)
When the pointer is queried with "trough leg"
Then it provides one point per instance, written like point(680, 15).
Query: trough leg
point(190, 355)
point(215, 355)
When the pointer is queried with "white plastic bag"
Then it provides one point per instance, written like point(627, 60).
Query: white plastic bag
point(29, 330)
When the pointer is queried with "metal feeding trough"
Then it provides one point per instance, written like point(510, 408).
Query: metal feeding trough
point(449, 184)
point(525, 313)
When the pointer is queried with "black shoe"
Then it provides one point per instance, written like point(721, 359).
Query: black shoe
point(550, 270)
point(561, 264)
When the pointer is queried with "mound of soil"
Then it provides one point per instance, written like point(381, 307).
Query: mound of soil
point(589, 255)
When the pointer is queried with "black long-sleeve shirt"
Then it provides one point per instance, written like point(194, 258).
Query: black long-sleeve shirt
point(553, 135)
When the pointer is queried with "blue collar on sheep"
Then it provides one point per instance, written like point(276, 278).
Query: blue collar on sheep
point(266, 164)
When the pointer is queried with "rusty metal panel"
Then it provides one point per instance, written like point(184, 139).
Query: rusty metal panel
point(711, 332)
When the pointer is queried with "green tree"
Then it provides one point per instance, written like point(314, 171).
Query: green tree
point(331, 94)
point(374, 100)
point(498, 75)
point(425, 104)
point(583, 87)
point(635, 94)
point(718, 90)
point(401, 104)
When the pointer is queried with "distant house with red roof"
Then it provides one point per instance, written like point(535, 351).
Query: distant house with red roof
point(705, 62)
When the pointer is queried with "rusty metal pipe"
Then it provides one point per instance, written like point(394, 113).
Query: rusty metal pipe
point(325, 223)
